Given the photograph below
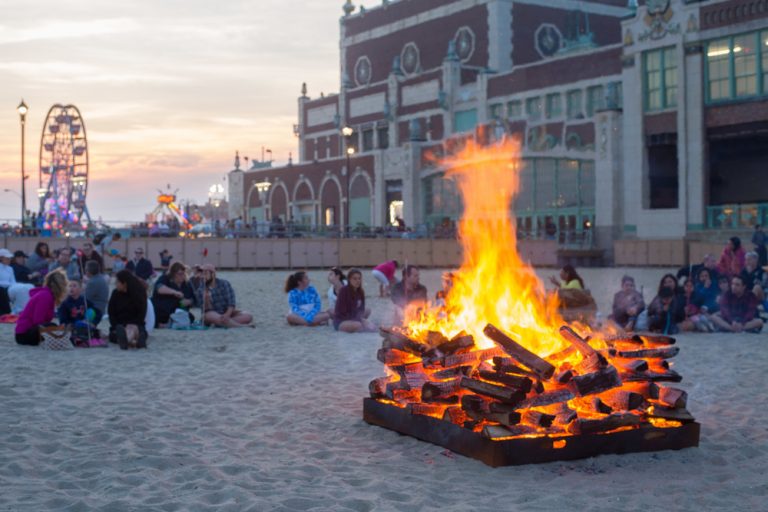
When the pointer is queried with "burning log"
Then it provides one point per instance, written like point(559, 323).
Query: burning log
point(504, 364)
point(670, 397)
point(395, 357)
point(378, 387)
point(426, 409)
point(497, 432)
point(503, 394)
point(632, 365)
point(460, 341)
point(396, 340)
point(596, 382)
point(547, 398)
point(592, 404)
point(440, 390)
point(662, 352)
point(474, 357)
point(651, 376)
point(537, 419)
point(539, 366)
point(622, 400)
point(669, 413)
point(653, 339)
point(513, 381)
point(455, 415)
point(451, 373)
point(593, 360)
point(592, 426)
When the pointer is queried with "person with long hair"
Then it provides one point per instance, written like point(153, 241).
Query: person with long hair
point(127, 311)
point(337, 280)
point(571, 280)
point(304, 302)
point(41, 308)
point(172, 291)
point(40, 260)
point(350, 314)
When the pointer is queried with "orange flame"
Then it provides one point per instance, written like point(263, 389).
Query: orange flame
point(494, 285)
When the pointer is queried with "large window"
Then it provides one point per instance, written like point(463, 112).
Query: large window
point(464, 120)
point(574, 104)
point(554, 106)
point(660, 69)
point(533, 108)
point(496, 111)
point(737, 67)
point(514, 109)
point(595, 100)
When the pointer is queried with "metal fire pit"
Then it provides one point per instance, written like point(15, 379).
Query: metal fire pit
point(528, 450)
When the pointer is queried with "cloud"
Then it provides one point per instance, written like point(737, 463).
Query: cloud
point(70, 29)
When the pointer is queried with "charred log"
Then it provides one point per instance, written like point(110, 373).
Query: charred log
point(513, 381)
point(596, 382)
point(503, 394)
point(614, 421)
point(662, 352)
point(539, 366)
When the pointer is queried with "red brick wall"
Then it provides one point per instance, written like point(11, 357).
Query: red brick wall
point(731, 12)
point(665, 122)
point(738, 113)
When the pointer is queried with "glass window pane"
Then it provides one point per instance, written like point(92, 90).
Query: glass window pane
point(764, 52)
point(595, 100)
point(545, 184)
point(568, 183)
point(495, 111)
point(533, 108)
point(745, 64)
point(587, 184)
point(574, 104)
point(524, 200)
point(718, 68)
point(554, 106)
point(514, 109)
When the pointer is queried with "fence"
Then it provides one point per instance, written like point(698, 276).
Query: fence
point(284, 253)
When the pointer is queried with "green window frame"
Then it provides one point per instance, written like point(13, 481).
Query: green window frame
point(574, 104)
point(660, 76)
point(595, 99)
point(514, 109)
point(533, 108)
point(554, 105)
point(737, 67)
point(496, 111)
point(464, 120)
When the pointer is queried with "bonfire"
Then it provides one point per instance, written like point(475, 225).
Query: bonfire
point(497, 362)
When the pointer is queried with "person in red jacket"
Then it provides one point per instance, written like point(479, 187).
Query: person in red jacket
point(350, 314)
point(385, 275)
point(41, 308)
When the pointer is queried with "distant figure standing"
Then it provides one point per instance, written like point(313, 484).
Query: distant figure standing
point(140, 266)
point(304, 302)
point(350, 314)
point(732, 260)
point(385, 275)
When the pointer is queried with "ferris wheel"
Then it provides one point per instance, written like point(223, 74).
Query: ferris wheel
point(64, 165)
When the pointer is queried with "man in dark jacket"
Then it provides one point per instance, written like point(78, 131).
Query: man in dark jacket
point(140, 266)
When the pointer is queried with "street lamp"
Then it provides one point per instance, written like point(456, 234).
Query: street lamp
point(22, 109)
point(216, 196)
point(350, 150)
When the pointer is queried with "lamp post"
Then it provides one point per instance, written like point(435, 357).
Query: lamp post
point(350, 150)
point(22, 109)
point(216, 196)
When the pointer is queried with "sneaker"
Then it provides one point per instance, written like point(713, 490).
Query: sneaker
point(122, 337)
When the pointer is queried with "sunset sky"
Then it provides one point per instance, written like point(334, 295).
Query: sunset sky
point(168, 89)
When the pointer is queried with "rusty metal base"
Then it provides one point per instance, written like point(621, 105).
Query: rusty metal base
point(514, 452)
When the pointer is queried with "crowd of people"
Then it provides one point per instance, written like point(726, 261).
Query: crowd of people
point(725, 294)
point(73, 287)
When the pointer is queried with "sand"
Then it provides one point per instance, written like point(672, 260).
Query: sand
point(270, 419)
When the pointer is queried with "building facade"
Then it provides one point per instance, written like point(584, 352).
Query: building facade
point(636, 121)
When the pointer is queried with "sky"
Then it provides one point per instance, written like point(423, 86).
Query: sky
point(168, 89)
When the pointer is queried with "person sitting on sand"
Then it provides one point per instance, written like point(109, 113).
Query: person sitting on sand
point(337, 280)
point(696, 318)
point(39, 261)
point(87, 253)
point(127, 311)
point(75, 307)
point(738, 309)
point(13, 295)
point(573, 295)
point(96, 286)
point(385, 275)
point(708, 290)
point(628, 303)
point(65, 262)
point(408, 293)
point(172, 292)
point(350, 314)
point(752, 274)
point(217, 298)
point(41, 308)
point(665, 312)
point(140, 265)
point(304, 302)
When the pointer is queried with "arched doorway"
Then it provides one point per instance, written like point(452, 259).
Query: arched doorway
point(330, 203)
point(278, 203)
point(360, 202)
point(304, 205)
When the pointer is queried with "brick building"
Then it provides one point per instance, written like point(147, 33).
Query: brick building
point(637, 121)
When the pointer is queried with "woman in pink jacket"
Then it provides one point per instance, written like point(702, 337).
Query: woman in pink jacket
point(41, 308)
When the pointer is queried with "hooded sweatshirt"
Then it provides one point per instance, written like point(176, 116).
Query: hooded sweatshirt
point(39, 310)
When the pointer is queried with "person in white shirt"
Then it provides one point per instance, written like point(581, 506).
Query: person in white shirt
point(13, 296)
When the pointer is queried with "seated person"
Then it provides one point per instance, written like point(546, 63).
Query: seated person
point(409, 293)
point(752, 275)
point(707, 289)
point(140, 265)
point(337, 280)
point(350, 314)
point(96, 286)
point(13, 295)
point(40, 309)
point(304, 302)
point(576, 303)
point(172, 292)
point(21, 271)
point(696, 318)
point(627, 304)
point(218, 301)
point(65, 262)
point(75, 307)
point(708, 263)
point(127, 311)
point(738, 309)
point(165, 258)
point(665, 312)
point(87, 253)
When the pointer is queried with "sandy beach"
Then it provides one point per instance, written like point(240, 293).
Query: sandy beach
point(270, 419)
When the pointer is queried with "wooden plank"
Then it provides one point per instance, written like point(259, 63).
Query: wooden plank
point(521, 354)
